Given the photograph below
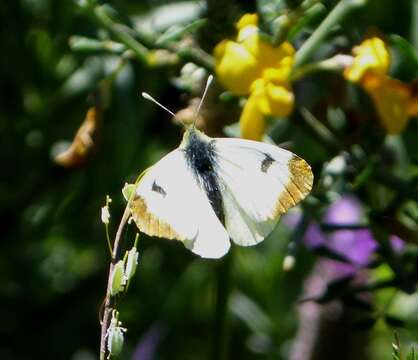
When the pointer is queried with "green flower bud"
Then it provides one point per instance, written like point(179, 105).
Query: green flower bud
point(131, 263)
point(105, 215)
point(118, 278)
point(289, 263)
point(115, 336)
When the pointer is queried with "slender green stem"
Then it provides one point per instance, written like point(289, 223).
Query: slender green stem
point(140, 51)
point(89, 45)
point(185, 53)
point(108, 239)
point(220, 335)
point(336, 63)
point(336, 16)
point(129, 37)
point(320, 130)
point(108, 303)
point(286, 21)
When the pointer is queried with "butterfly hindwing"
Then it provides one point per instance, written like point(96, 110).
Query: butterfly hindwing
point(261, 182)
point(170, 203)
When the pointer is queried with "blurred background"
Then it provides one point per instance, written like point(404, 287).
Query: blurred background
point(74, 129)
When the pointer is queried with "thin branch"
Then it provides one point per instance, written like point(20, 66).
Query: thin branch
point(335, 227)
point(373, 286)
point(286, 21)
point(108, 303)
point(335, 17)
point(140, 42)
point(124, 37)
point(319, 130)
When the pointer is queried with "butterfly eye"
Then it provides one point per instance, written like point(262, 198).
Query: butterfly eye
point(158, 189)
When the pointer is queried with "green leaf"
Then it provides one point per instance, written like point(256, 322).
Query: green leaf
point(396, 348)
point(176, 32)
point(412, 355)
point(406, 48)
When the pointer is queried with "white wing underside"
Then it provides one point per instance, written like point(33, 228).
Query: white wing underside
point(252, 197)
point(178, 208)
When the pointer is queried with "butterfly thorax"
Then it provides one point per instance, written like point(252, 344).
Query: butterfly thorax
point(201, 158)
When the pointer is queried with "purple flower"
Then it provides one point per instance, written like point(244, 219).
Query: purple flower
point(355, 245)
point(148, 344)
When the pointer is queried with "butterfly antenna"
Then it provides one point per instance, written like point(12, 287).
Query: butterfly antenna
point(208, 82)
point(150, 98)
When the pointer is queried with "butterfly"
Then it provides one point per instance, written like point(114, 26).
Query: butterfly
point(209, 191)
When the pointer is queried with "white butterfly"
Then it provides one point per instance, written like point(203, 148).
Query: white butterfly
point(211, 190)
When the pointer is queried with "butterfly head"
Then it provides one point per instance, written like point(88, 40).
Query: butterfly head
point(192, 137)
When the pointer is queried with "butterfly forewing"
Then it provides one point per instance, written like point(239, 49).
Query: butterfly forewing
point(170, 203)
point(260, 182)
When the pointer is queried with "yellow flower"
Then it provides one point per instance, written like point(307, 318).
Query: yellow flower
point(372, 55)
point(252, 66)
point(266, 99)
point(392, 98)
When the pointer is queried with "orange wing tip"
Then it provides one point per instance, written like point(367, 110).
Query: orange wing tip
point(302, 176)
point(298, 186)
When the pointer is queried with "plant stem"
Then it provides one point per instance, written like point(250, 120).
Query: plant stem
point(128, 37)
point(319, 130)
point(108, 303)
point(108, 239)
point(286, 21)
point(220, 326)
point(336, 16)
point(140, 51)
point(335, 227)
point(373, 286)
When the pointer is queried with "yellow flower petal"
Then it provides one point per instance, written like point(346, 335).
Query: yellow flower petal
point(278, 75)
point(247, 19)
point(235, 67)
point(268, 56)
point(280, 99)
point(252, 121)
point(247, 32)
point(391, 99)
point(273, 99)
point(372, 55)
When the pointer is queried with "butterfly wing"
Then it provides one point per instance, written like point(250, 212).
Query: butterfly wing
point(170, 203)
point(260, 182)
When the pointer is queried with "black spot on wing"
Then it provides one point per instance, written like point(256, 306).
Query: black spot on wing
point(201, 158)
point(266, 163)
point(158, 189)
